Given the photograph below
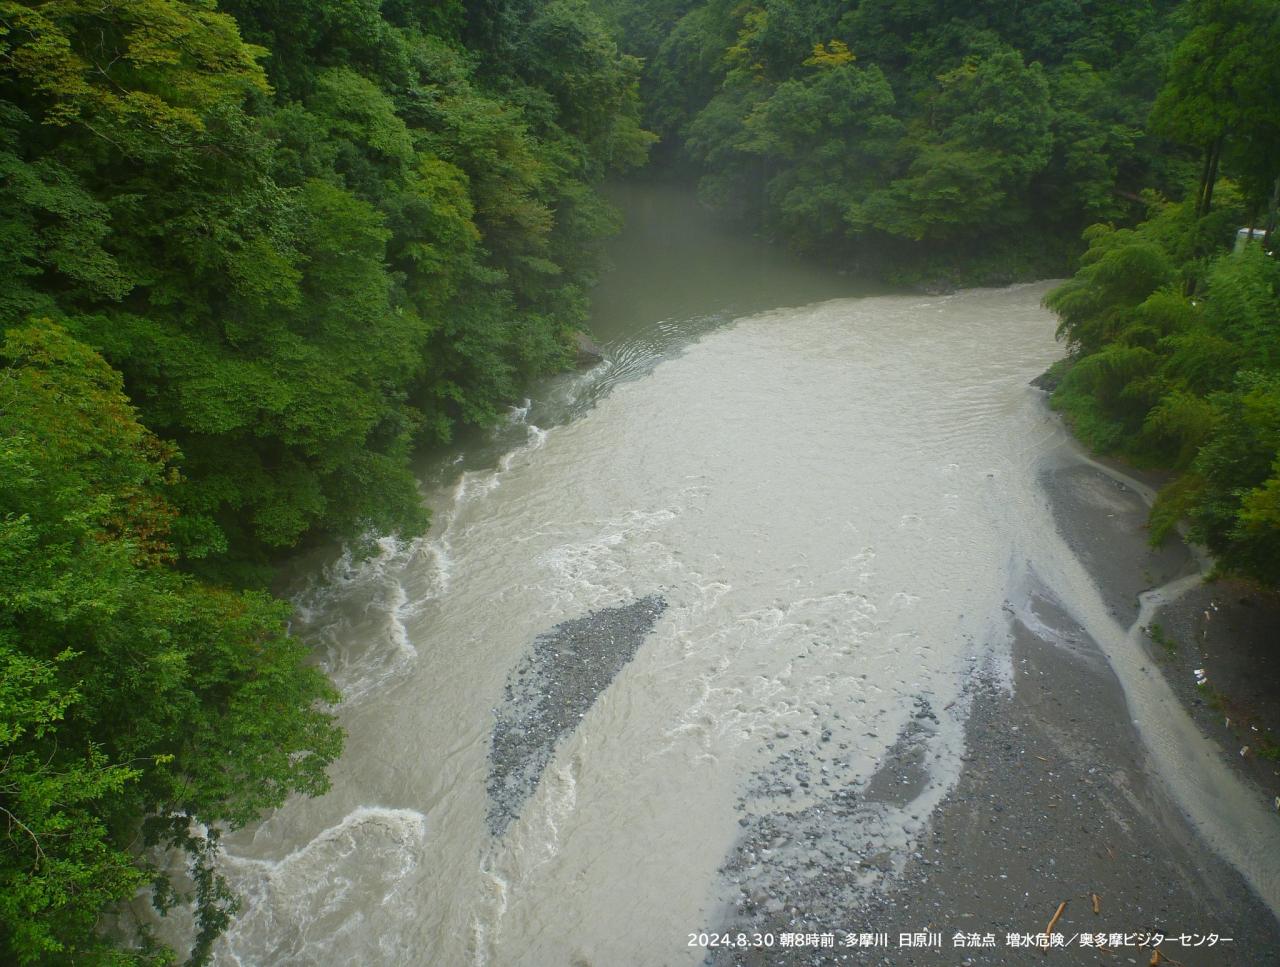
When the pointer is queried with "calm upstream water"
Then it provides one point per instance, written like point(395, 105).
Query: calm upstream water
point(820, 496)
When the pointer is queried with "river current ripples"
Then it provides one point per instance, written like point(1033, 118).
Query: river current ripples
point(800, 524)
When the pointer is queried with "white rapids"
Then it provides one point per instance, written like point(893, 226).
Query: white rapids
point(834, 501)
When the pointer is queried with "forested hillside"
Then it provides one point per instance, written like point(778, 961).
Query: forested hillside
point(1175, 330)
point(252, 254)
point(256, 253)
point(941, 142)
point(933, 141)
point(310, 235)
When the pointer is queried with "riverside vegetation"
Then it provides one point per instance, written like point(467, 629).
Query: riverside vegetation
point(255, 253)
point(252, 254)
point(944, 142)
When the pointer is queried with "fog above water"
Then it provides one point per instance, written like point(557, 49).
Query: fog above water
point(833, 493)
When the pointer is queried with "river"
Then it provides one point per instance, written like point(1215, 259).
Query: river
point(781, 522)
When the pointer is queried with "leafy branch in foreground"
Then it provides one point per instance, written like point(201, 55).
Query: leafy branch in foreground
point(136, 703)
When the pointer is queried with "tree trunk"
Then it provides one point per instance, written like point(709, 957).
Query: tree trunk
point(1215, 157)
point(1204, 201)
point(1271, 216)
point(1204, 180)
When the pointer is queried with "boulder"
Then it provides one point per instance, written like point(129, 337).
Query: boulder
point(588, 353)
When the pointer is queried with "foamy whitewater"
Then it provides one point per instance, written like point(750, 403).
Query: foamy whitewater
point(836, 502)
point(830, 499)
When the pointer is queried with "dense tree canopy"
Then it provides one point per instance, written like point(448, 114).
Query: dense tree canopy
point(136, 701)
point(1175, 336)
point(253, 254)
point(1191, 381)
point(924, 140)
point(310, 252)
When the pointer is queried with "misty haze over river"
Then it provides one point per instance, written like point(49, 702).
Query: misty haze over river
point(786, 520)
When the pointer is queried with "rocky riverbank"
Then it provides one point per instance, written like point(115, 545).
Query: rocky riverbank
point(1057, 801)
point(1216, 644)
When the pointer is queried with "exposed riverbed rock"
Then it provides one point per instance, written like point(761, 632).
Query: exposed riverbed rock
point(550, 691)
point(1049, 380)
point(1104, 521)
point(588, 353)
point(1055, 802)
point(1227, 630)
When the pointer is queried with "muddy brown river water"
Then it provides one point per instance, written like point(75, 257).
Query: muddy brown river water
point(786, 520)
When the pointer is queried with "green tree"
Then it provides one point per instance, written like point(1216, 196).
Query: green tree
point(985, 135)
point(1010, 127)
point(825, 138)
point(136, 701)
point(1221, 94)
